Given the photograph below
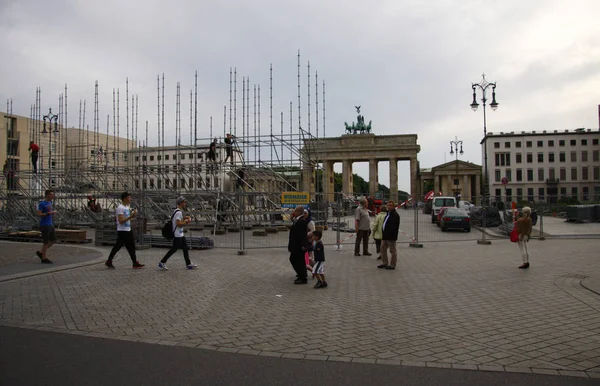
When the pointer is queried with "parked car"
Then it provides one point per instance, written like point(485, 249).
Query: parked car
point(455, 218)
point(438, 203)
point(438, 218)
point(465, 205)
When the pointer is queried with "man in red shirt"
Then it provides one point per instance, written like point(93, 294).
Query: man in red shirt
point(34, 149)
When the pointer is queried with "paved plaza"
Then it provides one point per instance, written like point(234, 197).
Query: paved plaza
point(455, 305)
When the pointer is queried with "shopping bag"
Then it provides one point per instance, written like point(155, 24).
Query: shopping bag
point(514, 235)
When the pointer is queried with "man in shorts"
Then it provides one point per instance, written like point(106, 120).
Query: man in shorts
point(45, 212)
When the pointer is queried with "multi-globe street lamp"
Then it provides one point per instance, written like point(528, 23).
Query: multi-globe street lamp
point(484, 85)
point(454, 150)
point(50, 118)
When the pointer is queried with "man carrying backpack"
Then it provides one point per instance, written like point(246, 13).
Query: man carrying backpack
point(179, 242)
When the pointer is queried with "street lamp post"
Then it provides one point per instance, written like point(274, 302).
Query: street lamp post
point(484, 85)
point(454, 150)
point(50, 118)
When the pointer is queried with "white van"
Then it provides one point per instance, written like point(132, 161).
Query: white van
point(438, 203)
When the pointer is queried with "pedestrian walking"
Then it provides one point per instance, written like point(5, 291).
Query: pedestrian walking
point(377, 230)
point(179, 241)
point(124, 214)
point(362, 225)
point(390, 227)
point(524, 226)
point(297, 245)
point(46, 214)
point(319, 267)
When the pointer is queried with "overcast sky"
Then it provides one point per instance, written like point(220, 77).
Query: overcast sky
point(409, 64)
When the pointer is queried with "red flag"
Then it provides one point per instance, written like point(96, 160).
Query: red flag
point(429, 196)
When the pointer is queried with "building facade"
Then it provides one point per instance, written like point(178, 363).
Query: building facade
point(455, 178)
point(544, 166)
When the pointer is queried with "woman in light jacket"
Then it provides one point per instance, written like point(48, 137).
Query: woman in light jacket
point(378, 229)
point(524, 231)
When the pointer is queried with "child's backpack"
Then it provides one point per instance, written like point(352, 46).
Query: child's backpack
point(167, 229)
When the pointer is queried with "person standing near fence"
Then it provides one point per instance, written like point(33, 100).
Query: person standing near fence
point(179, 241)
point(362, 225)
point(125, 237)
point(378, 229)
point(524, 226)
point(46, 214)
point(390, 228)
point(297, 245)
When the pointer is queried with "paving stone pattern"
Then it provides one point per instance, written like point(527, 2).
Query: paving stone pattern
point(448, 305)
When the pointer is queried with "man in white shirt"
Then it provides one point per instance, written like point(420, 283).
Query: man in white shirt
point(179, 241)
point(124, 233)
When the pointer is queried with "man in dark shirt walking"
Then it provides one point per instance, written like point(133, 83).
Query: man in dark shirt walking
point(297, 243)
point(391, 225)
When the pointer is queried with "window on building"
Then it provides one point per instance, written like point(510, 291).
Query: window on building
point(498, 195)
point(125, 157)
point(529, 144)
point(573, 174)
point(143, 158)
point(550, 143)
point(584, 142)
point(595, 156)
point(562, 157)
point(519, 175)
point(502, 159)
point(584, 173)
point(137, 184)
point(596, 193)
point(182, 156)
point(519, 194)
point(586, 193)
point(529, 158)
point(174, 183)
point(158, 157)
point(182, 182)
point(540, 174)
point(497, 175)
point(166, 157)
point(540, 143)
point(509, 174)
point(145, 184)
point(551, 174)
point(137, 158)
point(584, 157)
point(190, 183)
point(540, 157)
point(541, 194)
point(596, 173)
point(529, 174)
point(507, 145)
point(563, 192)
point(573, 156)
point(595, 141)
point(496, 145)
point(561, 142)
point(550, 157)
point(508, 194)
point(166, 168)
point(151, 183)
point(573, 142)
point(191, 155)
point(530, 194)
point(518, 144)
point(151, 158)
point(574, 192)
point(519, 157)
point(167, 183)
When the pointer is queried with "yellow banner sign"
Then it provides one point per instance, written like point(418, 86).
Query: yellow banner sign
point(295, 198)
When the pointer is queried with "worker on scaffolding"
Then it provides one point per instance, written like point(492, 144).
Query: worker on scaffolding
point(93, 205)
point(212, 154)
point(34, 149)
point(229, 140)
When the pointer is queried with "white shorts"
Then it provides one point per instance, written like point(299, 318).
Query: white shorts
point(319, 267)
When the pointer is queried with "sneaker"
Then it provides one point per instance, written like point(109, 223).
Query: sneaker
point(390, 267)
point(137, 265)
point(356, 254)
point(47, 261)
point(324, 284)
point(524, 266)
point(382, 266)
point(163, 266)
point(39, 254)
point(301, 281)
point(109, 264)
point(192, 266)
point(367, 254)
point(318, 285)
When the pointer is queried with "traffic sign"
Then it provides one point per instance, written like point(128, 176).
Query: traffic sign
point(504, 181)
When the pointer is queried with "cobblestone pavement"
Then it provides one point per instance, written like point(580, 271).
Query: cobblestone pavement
point(449, 305)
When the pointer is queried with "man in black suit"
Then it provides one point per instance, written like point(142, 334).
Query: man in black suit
point(391, 225)
point(297, 243)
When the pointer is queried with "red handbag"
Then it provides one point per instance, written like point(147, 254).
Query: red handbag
point(514, 235)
